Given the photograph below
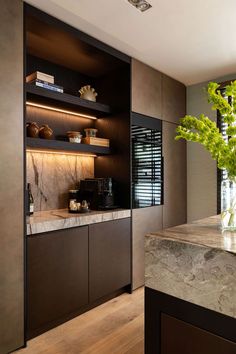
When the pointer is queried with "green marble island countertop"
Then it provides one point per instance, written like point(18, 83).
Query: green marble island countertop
point(195, 262)
point(52, 220)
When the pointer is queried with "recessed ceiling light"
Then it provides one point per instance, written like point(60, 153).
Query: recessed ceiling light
point(141, 5)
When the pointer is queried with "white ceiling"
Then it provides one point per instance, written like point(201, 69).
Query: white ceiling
point(190, 40)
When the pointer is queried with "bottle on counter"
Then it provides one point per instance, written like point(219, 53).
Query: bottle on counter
point(30, 210)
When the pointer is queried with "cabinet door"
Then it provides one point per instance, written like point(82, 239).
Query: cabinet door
point(109, 257)
point(173, 99)
point(146, 90)
point(175, 178)
point(144, 220)
point(181, 337)
point(57, 276)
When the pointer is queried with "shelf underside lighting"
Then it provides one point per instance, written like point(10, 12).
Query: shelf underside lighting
point(61, 153)
point(55, 109)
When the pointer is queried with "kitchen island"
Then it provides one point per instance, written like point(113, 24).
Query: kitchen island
point(190, 289)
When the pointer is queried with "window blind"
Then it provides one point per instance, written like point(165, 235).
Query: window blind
point(147, 167)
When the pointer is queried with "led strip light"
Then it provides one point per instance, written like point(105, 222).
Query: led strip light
point(55, 109)
point(60, 153)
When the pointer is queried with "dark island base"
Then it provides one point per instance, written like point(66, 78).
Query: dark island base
point(174, 326)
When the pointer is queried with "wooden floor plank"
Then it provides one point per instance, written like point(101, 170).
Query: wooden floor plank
point(116, 327)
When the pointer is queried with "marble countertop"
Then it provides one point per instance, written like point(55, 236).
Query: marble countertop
point(205, 232)
point(195, 262)
point(52, 220)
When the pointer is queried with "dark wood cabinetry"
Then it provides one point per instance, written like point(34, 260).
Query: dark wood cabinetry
point(109, 257)
point(75, 60)
point(173, 99)
point(175, 326)
point(160, 96)
point(181, 337)
point(57, 276)
point(69, 271)
point(175, 177)
point(146, 90)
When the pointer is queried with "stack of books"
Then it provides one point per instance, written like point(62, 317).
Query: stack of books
point(43, 80)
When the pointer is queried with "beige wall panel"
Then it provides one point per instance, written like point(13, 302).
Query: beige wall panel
point(144, 220)
point(11, 177)
point(173, 99)
point(146, 90)
point(175, 178)
point(202, 171)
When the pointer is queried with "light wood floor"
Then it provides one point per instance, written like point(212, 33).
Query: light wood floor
point(116, 327)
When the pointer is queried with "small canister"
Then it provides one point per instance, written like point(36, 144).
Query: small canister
point(73, 199)
point(73, 205)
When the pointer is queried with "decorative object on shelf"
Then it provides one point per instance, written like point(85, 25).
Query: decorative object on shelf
point(43, 80)
point(74, 137)
point(96, 141)
point(38, 75)
point(88, 93)
point(32, 130)
point(205, 131)
point(45, 132)
point(47, 85)
point(90, 132)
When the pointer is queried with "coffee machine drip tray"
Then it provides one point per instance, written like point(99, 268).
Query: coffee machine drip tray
point(111, 207)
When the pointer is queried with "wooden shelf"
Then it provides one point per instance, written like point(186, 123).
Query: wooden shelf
point(65, 101)
point(65, 146)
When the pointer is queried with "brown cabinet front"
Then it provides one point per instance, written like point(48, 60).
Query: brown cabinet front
point(109, 257)
point(181, 337)
point(146, 90)
point(175, 178)
point(57, 276)
point(173, 99)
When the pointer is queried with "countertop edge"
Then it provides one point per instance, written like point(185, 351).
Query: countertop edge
point(57, 222)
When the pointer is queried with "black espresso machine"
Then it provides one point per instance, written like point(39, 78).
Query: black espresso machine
point(99, 193)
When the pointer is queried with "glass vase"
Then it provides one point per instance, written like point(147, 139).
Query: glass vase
point(228, 205)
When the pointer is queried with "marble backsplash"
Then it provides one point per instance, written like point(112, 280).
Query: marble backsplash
point(52, 175)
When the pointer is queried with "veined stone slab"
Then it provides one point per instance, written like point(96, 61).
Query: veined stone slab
point(52, 220)
point(194, 262)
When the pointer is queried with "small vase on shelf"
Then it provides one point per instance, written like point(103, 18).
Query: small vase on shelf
point(228, 205)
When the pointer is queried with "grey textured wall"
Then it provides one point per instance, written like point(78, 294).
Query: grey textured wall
point(201, 169)
point(11, 176)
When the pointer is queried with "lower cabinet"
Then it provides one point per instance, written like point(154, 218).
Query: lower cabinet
point(67, 270)
point(109, 257)
point(57, 276)
point(186, 338)
point(175, 326)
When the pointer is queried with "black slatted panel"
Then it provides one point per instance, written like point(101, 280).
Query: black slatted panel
point(147, 162)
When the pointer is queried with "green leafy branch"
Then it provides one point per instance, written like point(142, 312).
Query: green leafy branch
point(204, 131)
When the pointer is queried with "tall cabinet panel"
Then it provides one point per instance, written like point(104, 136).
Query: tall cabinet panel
point(144, 220)
point(11, 177)
point(173, 99)
point(175, 183)
point(157, 95)
point(146, 90)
